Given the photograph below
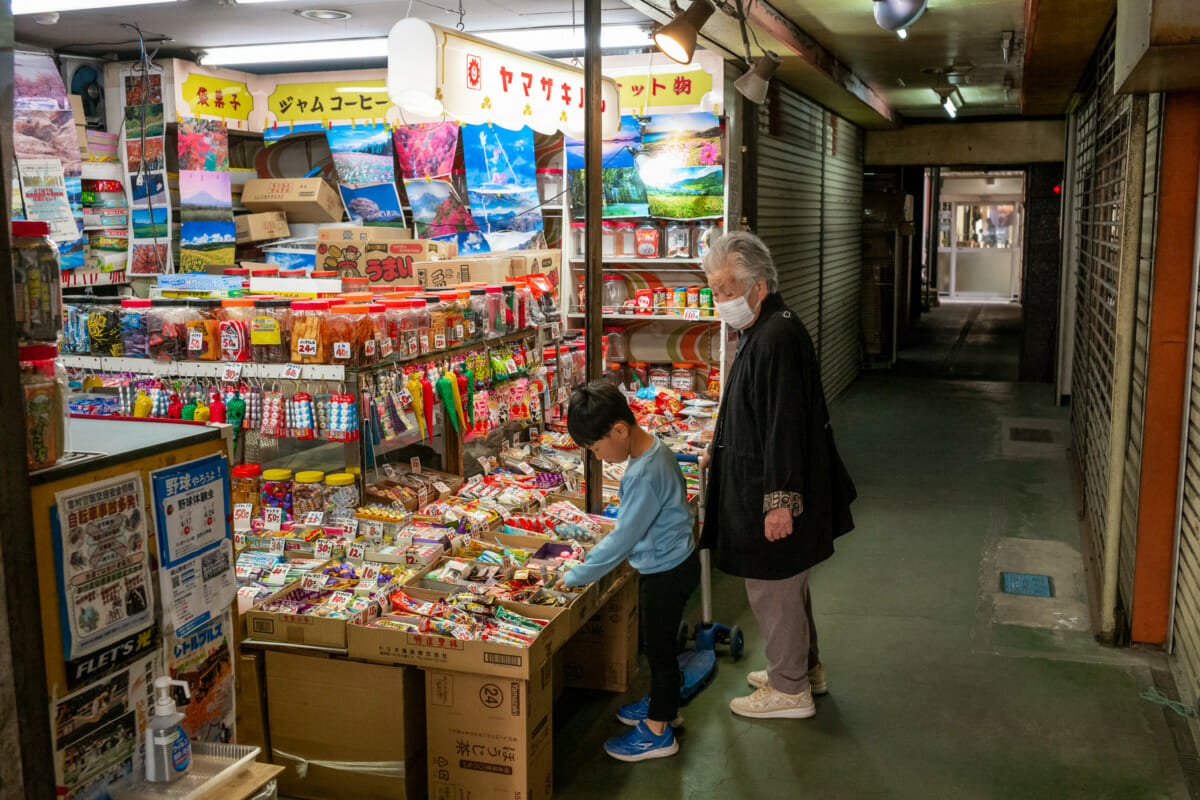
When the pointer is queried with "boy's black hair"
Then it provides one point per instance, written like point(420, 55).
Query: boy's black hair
point(594, 410)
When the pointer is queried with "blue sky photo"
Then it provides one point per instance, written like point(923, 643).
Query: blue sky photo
point(615, 152)
point(196, 234)
point(377, 202)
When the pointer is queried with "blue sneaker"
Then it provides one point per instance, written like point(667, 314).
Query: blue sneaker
point(633, 713)
point(641, 744)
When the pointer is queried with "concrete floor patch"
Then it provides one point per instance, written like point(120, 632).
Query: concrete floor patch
point(1067, 610)
point(1033, 437)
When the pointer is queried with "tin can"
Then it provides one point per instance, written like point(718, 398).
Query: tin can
point(678, 300)
point(706, 301)
point(693, 296)
point(645, 301)
point(660, 300)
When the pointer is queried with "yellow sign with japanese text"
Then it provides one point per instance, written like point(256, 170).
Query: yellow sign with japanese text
point(313, 102)
point(217, 97)
point(673, 89)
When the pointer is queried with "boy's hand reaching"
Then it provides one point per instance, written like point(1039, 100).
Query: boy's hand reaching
point(560, 585)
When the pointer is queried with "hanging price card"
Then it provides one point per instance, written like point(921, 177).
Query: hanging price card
point(292, 372)
point(370, 571)
point(276, 546)
point(272, 518)
point(340, 599)
point(231, 372)
point(423, 496)
point(390, 471)
point(195, 341)
point(241, 516)
point(323, 548)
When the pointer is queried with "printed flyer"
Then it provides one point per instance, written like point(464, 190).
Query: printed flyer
point(205, 660)
point(103, 566)
point(195, 552)
point(94, 743)
point(44, 192)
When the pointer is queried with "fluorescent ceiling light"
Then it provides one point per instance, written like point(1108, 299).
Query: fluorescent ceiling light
point(952, 100)
point(48, 6)
point(560, 40)
point(328, 50)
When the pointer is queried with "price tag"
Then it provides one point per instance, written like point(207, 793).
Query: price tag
point(314, 517)
point(516, 440)
point(385, 347)
point(249, 592)
point(562, 394)
point(323, 548)
point(370, 571)
point(315, 581)
point(276, 546)
point(511, 366)
point(441, 488)
point(370, 529)
point(272, 518)
point(341, 350)
point(195, 340)
point(555, 331)
point(355, 552)
point(416, 465)
point(390, 471)
point(691, 314)
point(277, 576)
point(423, 497)
point(349, 527)
point(239, 541)
point(369, 347)
point(241, 516)
point(292, 371)
point(231, 372)
point(535, 434)
point(340, 599)
point(306, 347)
point(528, 470)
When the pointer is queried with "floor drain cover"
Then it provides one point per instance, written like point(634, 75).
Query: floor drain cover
point(1026, 584)
point(1031, 435)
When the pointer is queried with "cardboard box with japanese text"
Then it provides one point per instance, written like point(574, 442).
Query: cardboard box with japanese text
point(370, 718)
point(490, 738)
point(602, 655)
point(260, 227)
point(302, 199)
point(250, 703)
point(440, 274)
point(387, 261)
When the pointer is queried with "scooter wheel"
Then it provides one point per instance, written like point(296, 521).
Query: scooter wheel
point(681, 638)
point(737, 643)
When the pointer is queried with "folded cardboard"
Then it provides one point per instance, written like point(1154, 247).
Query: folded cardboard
point(328, 711)
point(489, 738)
point(302, 199)
point(430, 651)
point(250, 703)
point(439, 274)
point(534, 262)
point(602, 655)
point(307, 629)
point(259, 227)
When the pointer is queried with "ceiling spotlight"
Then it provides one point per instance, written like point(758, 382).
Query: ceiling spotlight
point(951, 98)
point(893, 15)
point(753, 85)
point(902, 33)
point(677, 39)
point(324, 14)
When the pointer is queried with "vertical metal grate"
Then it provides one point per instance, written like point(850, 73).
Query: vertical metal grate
point(841, 255)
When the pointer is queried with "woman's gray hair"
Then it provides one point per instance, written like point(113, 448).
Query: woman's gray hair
point(745, 253)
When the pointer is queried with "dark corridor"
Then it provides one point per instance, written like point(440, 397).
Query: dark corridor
point(964, 341)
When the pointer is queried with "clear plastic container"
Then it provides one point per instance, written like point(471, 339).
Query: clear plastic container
point(649, 238)
point(341, 496)
point(608, 240)
point(245, 487)
point(135, 327)
point(167, 329)
point(550, 185)
point(683, 377)
point(271, 330)
point(472, 329)
point(37, 282)
point(678, 240)
point(479, 310)
point(277, 490)
point(578, 238)
point(76, 340)
point(424, 326)
point(236, 321)
point(204, 337)
point(496, 313)
point(704, 233)
point(437, 322)
point(616, 292)
point(455, 327)
point(350, 335)
point(660, 377)
point(626, 241)
point(104, 327)
point(510, 304)
point(308, 331)
point(616, 344)
point(530, 313)
point(393, 317)
point(381, 345)
point(308, 492)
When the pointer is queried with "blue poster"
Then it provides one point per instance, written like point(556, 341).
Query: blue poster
point(502, 186)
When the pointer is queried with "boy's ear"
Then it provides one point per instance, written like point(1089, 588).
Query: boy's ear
point(621, 429)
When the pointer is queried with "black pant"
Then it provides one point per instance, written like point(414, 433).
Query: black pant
point(663, 596)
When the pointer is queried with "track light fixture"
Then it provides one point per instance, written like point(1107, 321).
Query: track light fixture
point(753, 85)
point(952, 99)
point(677, 39)
point(897, 15)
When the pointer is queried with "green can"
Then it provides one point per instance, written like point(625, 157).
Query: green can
point(706, 302)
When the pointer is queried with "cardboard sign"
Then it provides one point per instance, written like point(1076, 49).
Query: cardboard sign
point(241, 516)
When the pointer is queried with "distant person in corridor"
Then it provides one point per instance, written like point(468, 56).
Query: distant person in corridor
point(778, 493)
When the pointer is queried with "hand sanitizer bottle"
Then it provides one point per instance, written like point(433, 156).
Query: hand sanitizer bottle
point(168, 750)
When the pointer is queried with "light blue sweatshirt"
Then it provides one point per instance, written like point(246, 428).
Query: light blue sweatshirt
point(654, 525)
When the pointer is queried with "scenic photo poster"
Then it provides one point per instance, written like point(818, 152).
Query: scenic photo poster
point(363, 159)
point(207, 227)
point(142, 149)
point(624, 193)
point(501, 172)
point(372, 202)
point(682, 166)
point(426, 151)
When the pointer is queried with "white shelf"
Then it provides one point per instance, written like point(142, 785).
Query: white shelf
point(103, 171)
point(646, 318)
point(202, 369)
point(636, 260)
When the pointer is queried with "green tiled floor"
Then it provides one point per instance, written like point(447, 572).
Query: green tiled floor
point(929, 698)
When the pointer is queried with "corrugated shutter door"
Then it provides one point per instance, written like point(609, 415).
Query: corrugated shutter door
point(1101, 123)
point(790, 145)
point(810, 177)
point(1186, 623)
point(841, 255)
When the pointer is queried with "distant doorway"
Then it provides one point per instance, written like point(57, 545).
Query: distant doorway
point(980, 230)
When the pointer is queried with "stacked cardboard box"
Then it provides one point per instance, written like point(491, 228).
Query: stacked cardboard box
point(603, 653)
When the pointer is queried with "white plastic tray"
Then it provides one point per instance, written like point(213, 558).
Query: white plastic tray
point(212, 765)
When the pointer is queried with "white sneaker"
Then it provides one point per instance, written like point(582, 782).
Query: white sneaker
point(766, 703)
point(816, 679)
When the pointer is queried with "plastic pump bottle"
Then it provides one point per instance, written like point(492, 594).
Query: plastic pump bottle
point(168, 750)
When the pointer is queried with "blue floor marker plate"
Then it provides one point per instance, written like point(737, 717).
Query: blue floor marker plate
point(1026, 584)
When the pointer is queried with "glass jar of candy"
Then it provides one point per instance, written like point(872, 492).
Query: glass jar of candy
point(245, 487)
point(277, 490)
point(308, 493)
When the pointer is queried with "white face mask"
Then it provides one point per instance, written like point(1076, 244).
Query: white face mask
point(737, 313)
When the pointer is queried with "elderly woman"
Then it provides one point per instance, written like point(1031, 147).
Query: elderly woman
point(778, 493)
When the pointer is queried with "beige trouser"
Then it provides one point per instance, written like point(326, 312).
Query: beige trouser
point(783, 609)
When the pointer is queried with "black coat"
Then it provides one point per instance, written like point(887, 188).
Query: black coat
point(774, 448)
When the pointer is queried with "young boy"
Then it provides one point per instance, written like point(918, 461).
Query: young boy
point(654, 530)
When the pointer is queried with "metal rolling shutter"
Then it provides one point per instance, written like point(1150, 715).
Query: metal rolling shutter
point(810, 215)
point(790, 144)
point(1101, 123)
point(841, 255)
point(1185, 627)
